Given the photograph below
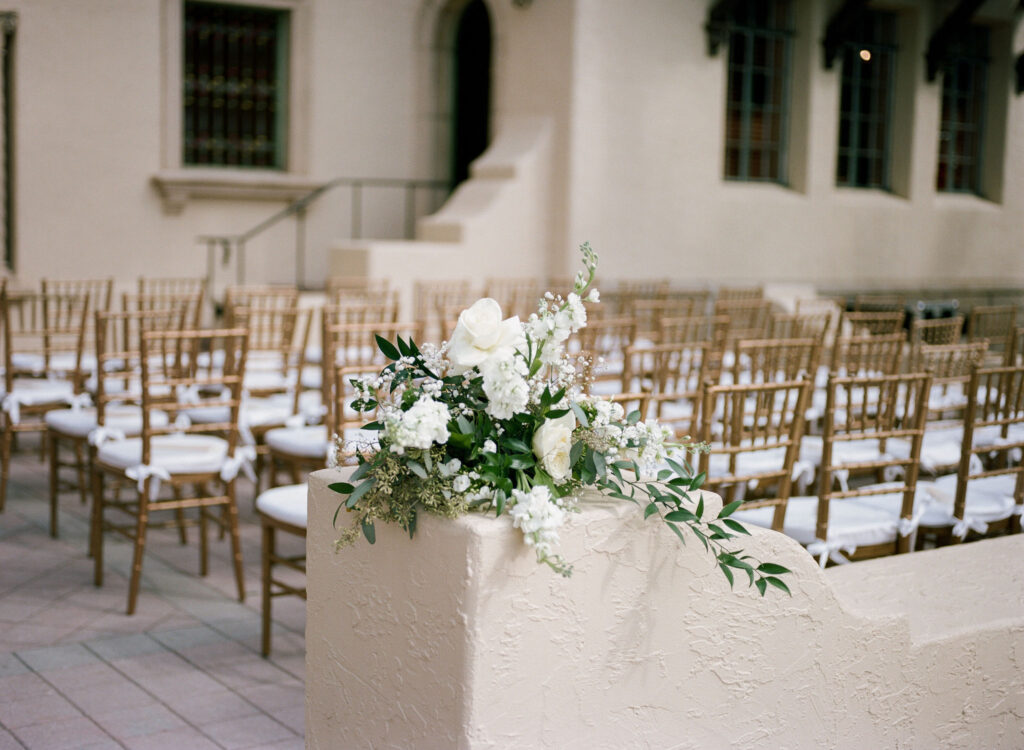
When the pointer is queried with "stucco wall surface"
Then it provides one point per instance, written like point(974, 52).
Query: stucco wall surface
point(458, 639)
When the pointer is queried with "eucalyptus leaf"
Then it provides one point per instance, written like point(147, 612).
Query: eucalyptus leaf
point(343, 487)
point(359, 491)
point(581, 415)
point(369, 532)
point(416, 468)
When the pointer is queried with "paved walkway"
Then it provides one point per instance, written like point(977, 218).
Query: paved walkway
point(183, 673)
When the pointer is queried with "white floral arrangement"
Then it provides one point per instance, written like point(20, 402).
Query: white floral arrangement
point(496, 420)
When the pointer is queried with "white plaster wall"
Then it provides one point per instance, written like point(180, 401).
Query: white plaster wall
point(458, 639)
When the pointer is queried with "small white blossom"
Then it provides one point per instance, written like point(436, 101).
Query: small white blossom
point(489, 447)
point(461, 483)
point(505, 386)
point(425, 423)
point(538, 516)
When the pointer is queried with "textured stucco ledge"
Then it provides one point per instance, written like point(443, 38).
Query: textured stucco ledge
point(458, 639)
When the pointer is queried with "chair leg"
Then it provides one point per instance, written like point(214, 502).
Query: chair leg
point(5, 461)
point(267, 552)
point(80, 466)
point(140, 547)
point(96, 535)
point(54, 480)
point(236, 544)
point(179, 516)
point(204, 542)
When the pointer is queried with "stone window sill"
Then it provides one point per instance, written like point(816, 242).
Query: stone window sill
point(177, 187)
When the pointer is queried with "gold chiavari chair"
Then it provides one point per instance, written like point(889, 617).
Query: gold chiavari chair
point(879, 303)
point(43, 341)
point(648, 314)
point(360, 310)
point(699, 298)
point(748, 318)
point(936, 331)
point(860, 323)
point(432, 298)
point(356, 287)
point(602, 344)
point(818, 326)
point(1015, 352)
point(188, 304)
point(116, 395)
point(754, 433)
point(99, 291)
point(516, 296)
point(258, 297)
point(205, 457)
point(868, 355)
point(739, 293)
point(166, 286)
point(671, 376)
point(986, 494)
point(995, 324)
point(775, 360)
point(864, 520)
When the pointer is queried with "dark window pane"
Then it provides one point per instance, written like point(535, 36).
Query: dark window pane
point(963, 104)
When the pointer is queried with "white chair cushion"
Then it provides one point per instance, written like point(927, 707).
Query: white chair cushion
point(178, 454)
point(59, 361)
point(307, 442)
point(847, 452)
point(988, 499)
point(265, 380)
point(286, 504)
point(255, 412)
point(123, 417)
point(34, 391)
point(312, 378)
point(939, 449)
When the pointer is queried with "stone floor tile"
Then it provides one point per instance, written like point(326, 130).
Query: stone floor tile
point(295, 743)
point(272, 698)
point(57, 657)
point(7, 741)
point(174, 739)
point(125, 647)
point(139, 721)
point(84, 676)
point(246, 732)
point(66, 734)
point(184, 638)
point(48, 708)
point(194, 682)
point(108, 697)
point(210, 708)
point(293, 717)
point(16, 687)
point(11, 665)
point(156, 665)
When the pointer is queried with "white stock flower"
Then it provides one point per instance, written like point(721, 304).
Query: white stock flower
point(552, 444)
point(505, 385)
point(460, 483)
point(425, 423)
point(538, 516)
point(481, 335)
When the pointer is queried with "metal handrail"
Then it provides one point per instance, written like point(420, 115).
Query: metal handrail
point(227, 243)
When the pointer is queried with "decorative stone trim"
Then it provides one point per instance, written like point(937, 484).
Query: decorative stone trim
point(177, 187)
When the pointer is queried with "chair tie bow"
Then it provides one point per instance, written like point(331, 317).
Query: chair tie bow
point(968, 523)
point(826, 551)
point(240, 461)
point(100, 435)
point(141, 472)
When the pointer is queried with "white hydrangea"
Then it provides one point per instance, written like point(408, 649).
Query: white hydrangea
point(422, 425)
point(505, 384)
point(539, 517)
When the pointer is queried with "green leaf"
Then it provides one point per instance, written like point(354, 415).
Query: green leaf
point(728, 509)
point(359, 491)
point(412, 524)
point(369, 532)
point(521, 462)
point(599, 465)
point(650, 510)
point(515, 444)
point(556, 413)
point(772, 569)
point(761, 585)
point(678, 533)
point(465, 426)
point(677, 468)
point(343, 487)
point(777, 583)
point(581, 415)
point(736, 526)
point(427, 461)
point(386, 347)
point(372, 426)
point(682, 516)
point(417, 469)
point(633, 417)
point(728, 573)
point(700, 507)
point(403, 347)
point(499, 502)
point(574, 453)
point(697, 481)
point(360, 471)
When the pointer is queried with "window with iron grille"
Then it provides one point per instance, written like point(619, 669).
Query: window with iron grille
point(963, 109)
point(235, 85)
point(758, 90)
point(865, 110)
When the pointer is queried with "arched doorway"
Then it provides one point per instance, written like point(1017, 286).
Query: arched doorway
point(471, 88)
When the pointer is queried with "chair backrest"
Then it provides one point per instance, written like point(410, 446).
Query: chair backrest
point(258, 297)
point(172, 286)
point(649, 312)
point(384, 309)
point(996, 324)
point(99, 291)
point(775, 360)
point(936, 331)
point(517, 296)
point(879, 303)
point(876, 408)
point(860, 323)
point(748, 318)
point(606, 339)
point(44, 334)
point(737, 293)
point(189, 304)
point(995, 399)
point(169, 364)
point(868, 355)
point(711, 328)
point(819, 325)
point(670, 376)
point(950, 366)
point(277, 348)
point(430, 298)
point(355, 287)
point(119, 356)
point(354, 346)
point(754, 436)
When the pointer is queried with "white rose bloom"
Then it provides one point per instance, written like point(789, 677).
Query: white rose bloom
point(481, 334)
point(552, 444)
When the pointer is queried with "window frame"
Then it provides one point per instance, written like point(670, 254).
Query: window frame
point(744, 144)
point(949, 156)
point(850, 52)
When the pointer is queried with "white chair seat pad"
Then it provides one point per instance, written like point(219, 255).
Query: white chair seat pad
point(939, 449)
point(59, 362)
point(123, 417)
point(265, 380)
point(33, 391)
point(307, 442)
point(286, 504)
point(312, 378)
point(177, 454)
point(254, 413)
point(988, 499)
point(846, 452)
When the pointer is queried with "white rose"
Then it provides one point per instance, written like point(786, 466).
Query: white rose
point(481, 334)
point(552, 444)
